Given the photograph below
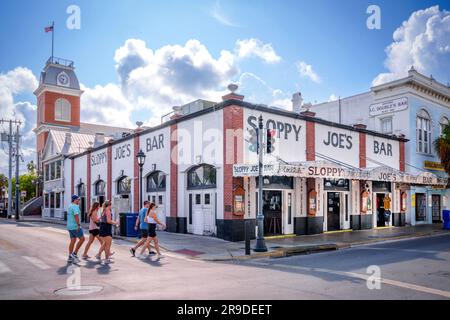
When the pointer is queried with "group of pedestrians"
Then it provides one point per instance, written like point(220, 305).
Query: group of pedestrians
point(100, 228)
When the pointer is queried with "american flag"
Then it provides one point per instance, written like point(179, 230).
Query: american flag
point(49, 29)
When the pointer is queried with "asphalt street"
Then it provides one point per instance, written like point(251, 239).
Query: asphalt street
point(33, 266)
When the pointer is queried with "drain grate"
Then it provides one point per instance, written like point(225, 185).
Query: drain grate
point(78, 291)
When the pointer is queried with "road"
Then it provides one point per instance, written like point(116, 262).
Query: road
point(33, 266)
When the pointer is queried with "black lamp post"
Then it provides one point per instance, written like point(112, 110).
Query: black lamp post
point(140, 156)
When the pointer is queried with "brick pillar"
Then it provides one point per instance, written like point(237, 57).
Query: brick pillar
point(362, 150)
point(136, 204)
point(72, 177)
point(109, 174)
point(233, 123)
point(172, 220)
point(88, 187)
point(310, 141)
point(402, 156)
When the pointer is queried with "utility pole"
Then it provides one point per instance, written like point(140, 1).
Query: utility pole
point(17, 174)
point(260, 242)
point(9, 138)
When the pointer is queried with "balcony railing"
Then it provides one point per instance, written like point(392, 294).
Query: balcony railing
point(60, 61)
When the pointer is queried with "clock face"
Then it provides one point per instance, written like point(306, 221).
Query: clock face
point(63, 79)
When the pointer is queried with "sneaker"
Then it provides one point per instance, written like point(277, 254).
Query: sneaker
point(98, 257)
point(152, 253)
point(133, 252)
point(85, 257)
point(70, 259)
point(75, 257)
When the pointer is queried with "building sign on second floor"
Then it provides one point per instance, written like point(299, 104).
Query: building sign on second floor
point(390, 106)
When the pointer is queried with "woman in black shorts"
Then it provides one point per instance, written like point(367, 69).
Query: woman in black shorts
point(106, 223)
point(93, 228)
point(152, 220)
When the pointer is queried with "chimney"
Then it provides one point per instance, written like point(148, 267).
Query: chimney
point(233, 95)
point(297, 102)
point(360, 126)
point(99, 139)
point(308, 112)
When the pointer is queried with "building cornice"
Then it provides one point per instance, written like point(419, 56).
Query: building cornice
point(61, 90)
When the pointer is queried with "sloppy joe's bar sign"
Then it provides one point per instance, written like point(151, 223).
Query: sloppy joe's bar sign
point(324, 171)
point(389, 106)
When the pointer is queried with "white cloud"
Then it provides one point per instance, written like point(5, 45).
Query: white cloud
point(307, 71)
point(423, 41)
point(333, 97)
point(256, 48)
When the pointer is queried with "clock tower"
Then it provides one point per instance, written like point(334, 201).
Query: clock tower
point(58, 101)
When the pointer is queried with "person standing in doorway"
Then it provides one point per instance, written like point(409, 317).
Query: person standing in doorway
point(143, 226)
point(152, 220)
point(75, 230)
point(94, 229)
point(106, 223)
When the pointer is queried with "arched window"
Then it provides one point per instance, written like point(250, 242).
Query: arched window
point(124, 185)
point(62, 110)
point(156, 181)
point(202, 177)
point(99, 189)
point(423, 130)
point(442, 124)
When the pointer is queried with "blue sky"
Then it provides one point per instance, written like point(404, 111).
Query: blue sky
point(329, 36)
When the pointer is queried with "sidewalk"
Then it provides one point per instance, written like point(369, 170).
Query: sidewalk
point(214, 249)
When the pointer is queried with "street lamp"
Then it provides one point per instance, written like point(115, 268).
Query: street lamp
point(140, 156)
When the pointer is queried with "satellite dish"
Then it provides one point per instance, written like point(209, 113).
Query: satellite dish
point(233, 87)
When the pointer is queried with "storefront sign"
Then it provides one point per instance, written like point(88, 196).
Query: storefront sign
point(431, 165)
point(98, 159)
point(284, 129)
point(389, 106)
point(155, 143)
point(330, 171)
point(123, 151)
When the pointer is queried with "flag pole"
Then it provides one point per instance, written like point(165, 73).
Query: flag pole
point(53, 38)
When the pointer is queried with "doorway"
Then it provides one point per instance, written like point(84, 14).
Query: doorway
point(436, 208)
point(381, 219)
point(202, 213)
point(272, 209)
point(333, 211)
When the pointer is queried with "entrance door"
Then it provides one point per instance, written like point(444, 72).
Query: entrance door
point(272, 208)
point(436, 208)
point(421, 207)
point(288, 214)
point(334, 211)
point(381, 221)
point(345, 215)
point(203, 213)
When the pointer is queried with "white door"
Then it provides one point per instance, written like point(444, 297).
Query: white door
point(197, 214)
point(203, 213)
point(209, 219)
point(345, 211)
point(288, 212)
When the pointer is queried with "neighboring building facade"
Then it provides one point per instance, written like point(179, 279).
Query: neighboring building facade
point(417, 107)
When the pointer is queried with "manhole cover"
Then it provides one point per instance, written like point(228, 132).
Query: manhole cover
point(78, 291)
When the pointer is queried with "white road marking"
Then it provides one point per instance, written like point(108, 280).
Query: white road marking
point(4, 268)
point(37, 263)
point(364, 277)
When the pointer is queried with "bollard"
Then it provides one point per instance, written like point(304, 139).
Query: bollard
point(247, 238)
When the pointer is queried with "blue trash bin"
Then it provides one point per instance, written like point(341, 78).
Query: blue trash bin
point(446, 218)
point(131, 222)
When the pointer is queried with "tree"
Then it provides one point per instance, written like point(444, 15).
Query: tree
point(3, 184)
point(27, 182)
point(442, 147)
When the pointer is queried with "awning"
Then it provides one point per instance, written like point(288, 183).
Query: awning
point(326, 170)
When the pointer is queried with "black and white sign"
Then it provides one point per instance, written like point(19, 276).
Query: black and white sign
point(389, 106)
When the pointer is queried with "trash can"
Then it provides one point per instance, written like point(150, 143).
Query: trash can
point(131, 222)
point(446, 218)
point(123, 224)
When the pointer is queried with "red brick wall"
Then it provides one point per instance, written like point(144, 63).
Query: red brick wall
point(173, 171)
point(136, 203)
point(402, 156)
point(233, 118)
point(310, 141)
point(109, 174)
point(362, 150)
point(89, 182)
point(49, 99)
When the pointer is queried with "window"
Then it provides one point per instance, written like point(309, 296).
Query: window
point(442, 124)
point(62, 110)
point(124, 185)
point(202, 177)
point(386, 125)
point(156, 181)
point(198, 199)
point(46, 175)
point(160, 200)
point(58, 169)
point(336, 184)
point(277, 182)
point(46, 200)
point(52, 200)
point(52, 171)
point(58, 200)
point(423, 128)
point(207, 199)
point(100, 188)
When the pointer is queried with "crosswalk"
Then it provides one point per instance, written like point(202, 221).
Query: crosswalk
point(24, 261)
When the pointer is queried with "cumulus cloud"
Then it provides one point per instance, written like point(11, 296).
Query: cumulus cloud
point(307, 71)
point(423, 41)
point(256, 48)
